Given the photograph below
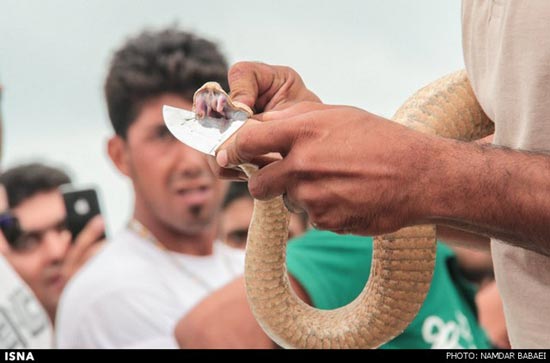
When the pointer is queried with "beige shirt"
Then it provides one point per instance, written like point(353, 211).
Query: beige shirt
point(507, 55)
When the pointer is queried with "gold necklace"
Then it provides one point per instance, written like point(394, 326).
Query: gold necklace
point(142, 231)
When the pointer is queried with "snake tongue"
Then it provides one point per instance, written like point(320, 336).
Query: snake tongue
point(204, 135)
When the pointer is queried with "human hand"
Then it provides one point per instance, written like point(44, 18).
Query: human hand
point(351, 171)
point(234, 173)
point(84, 247)
point(262, 87)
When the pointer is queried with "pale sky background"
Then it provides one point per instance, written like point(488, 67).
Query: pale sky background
point(53, 58)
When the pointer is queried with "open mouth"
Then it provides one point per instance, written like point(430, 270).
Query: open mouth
point(194, 196)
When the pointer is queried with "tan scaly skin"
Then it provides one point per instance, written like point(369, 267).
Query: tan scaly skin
point(402, 262)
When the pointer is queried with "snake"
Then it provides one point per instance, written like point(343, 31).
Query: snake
point(402, 262)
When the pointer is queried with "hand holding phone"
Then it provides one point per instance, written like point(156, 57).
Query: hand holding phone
point(85, 225)
point(81, 205)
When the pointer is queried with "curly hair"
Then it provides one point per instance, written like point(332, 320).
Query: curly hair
point(153, 63)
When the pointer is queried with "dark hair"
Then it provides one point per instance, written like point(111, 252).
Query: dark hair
point(24, 181)
point(236, 190)
point(154, 63)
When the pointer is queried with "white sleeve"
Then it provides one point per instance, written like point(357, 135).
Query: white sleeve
point(126, 318)
point(24, 323)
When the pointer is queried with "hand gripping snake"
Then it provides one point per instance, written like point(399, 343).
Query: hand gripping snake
point(402, 262)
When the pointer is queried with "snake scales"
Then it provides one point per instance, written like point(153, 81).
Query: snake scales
point(402, 262)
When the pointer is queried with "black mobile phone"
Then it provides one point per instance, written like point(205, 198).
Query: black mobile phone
point(81, 205)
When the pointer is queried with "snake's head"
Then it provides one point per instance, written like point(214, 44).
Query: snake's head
point(214, 120)
point(211, 101)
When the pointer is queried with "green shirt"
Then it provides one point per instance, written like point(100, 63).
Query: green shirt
point(333, 270)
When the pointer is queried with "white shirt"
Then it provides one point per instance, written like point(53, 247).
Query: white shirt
point(132, 294)
point(23, 321)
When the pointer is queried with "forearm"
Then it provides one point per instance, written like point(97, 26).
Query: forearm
point(224, 320)
point(492, 191)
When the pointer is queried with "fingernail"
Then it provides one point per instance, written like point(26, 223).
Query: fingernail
point(221, 158)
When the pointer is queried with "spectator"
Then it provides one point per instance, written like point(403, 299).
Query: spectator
point(168, 257)
point(42, 253)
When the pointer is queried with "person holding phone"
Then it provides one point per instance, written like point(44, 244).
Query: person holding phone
point(39, 242)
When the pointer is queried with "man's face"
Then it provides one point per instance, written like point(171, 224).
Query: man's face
point(41, 251)
point(173, 184)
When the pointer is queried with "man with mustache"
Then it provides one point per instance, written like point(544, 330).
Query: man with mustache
point(168, 257)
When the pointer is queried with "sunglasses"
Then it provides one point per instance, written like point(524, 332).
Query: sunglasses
point(9, 225)
point(21, 240)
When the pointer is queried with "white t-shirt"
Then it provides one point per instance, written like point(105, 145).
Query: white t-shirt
point(132, 294)
point(23, 321)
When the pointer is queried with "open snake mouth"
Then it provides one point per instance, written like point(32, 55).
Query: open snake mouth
point(211, 101)
point(215, 118)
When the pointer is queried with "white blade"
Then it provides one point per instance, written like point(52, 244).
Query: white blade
point(205, 135)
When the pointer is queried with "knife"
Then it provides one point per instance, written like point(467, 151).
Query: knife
point(204, 135)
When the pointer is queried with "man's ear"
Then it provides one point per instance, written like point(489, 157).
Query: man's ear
point(116, 147)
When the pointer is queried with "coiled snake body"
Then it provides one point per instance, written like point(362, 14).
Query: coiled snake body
point(402, 262)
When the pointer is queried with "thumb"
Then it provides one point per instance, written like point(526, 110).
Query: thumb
point(244, 83)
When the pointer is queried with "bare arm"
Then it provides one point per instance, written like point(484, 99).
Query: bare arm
point(495, 192)
point(224, 320)
point(394, 177)
point(460, 239)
